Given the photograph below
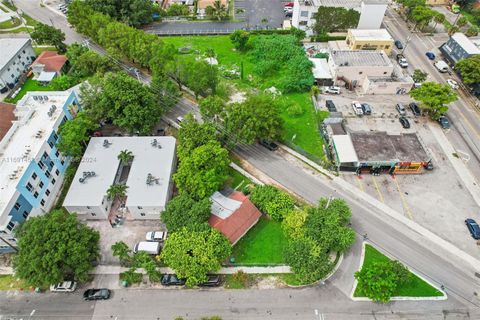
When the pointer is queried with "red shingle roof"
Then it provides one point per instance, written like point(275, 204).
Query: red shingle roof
point(6, 117)
point(52, 61)
point(240, 221)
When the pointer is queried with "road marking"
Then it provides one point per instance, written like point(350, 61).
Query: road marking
point(404, 203)
point(32, 313)
point(466, 156)
point(360, 183)
point(378, 189)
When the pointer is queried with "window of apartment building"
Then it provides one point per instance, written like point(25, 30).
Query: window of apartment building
point(140, 207)
point(50, 143)
point(35, 195)
point(34, 176)
point(385, 72)
point(358, 47)
point(29, 187)
point(57, 172)
point(62, 162)
point(47, 192)
point(304, 14)
point(52, 164)
point(45, 155)
point(53, 181)
point(47, 174)
point(25, 214)
point(88, 207)
point(16, 206)
point(302, 23)
point(361, 72)
point(57, 153)
point(42, 202)
point(55, 136)
point(10, 226)
point(23, 51)
point(142, 214)
point(387, 47)
point(40, 164)
point(11, 75)
point(40, 185)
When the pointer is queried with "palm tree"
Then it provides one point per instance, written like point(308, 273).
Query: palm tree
point(461, 22)
point(117, 191)
point(218, 11)
point(125, 157)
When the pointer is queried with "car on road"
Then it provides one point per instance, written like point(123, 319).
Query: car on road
point(270, 145)
point(156, 236)
point(367, 109)
point(148, 247)
point(66, 286)
point(441, 66)
point(444, 122)
point(452, 83)
point(405, 123)
point(429, 166)
point(473, 227)
point(357, 108)
point(333, 90)
point(401, 109)
point(214, 280)
point(97, 294)
point(402, 61)
point(398, 44)
point(330, 106)
point(171, 280)
point(430, 55)
point(415, 109)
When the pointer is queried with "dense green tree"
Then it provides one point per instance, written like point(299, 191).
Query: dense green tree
point(55, 247)
point(332, 19)
point(469, 69)
point(201, 78)
point(74, 51)
point(117, 191)
point(422, 16)
point(293, 224)
point(211, 107)
point(132, 12)
point(438, 18)
point(45, 34)
point(217, 11)
point(272, 201)
point(183, 211)
point(165, 91)
point(204, 171)
point(146, 262)
point(64, 82)
point(419, 76)
point(192, 255)
point(177, 69)
point(90, 62)
point(125, 157)
point(240, 39)
point(177, 9)
point(192, 135)
point(379, 280)
point(75, 134)
point(256, 118)
point(434, 98)
point(121, 250)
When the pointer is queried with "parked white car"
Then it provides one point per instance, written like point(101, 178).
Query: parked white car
point(332, 89)
point(66, 286)
point(357, 108)
point(156, 236)
point(453, 84)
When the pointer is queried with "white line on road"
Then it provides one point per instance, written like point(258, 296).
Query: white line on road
point(32, 313)
point(464, 156)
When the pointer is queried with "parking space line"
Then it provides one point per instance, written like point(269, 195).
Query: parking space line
point(378, 189)
point(360, 184)
point(404, 202)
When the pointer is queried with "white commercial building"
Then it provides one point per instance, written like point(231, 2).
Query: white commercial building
point(147, 176)
point(371, 12)
point(16, 56)
point(31, 167)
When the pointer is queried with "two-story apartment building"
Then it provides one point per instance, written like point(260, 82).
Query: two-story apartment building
point(16, 57)
point(31, 167)
point(370, 39)
point(458, 47)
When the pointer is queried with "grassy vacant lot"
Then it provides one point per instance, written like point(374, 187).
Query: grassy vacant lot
point(9, 282)
point(262, 245)
point(29, 85)
point(304, 126)
point(416, 288)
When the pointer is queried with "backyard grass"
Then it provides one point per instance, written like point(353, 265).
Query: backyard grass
point(303, 127)
point(39, 50)
point(10, 23)
point(29, 85)
point(415, 288)
point(238, 181)
point(262, 245)
point(9, 282)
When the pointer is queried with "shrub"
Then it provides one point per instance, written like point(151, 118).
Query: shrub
point(131, 277)
point(271, 201)
point(295, 110)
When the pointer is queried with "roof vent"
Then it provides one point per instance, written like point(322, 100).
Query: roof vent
point(86, 174)
point(154, 142)
point(106, 143)
point(39, 134)
point(151, 179)
point(52, 110)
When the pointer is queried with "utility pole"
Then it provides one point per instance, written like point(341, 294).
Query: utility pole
point(406, 44)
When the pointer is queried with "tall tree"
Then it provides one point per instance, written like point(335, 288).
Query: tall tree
point(217, 11)
point(125, 157)
point(419, 76)
point(211, 107)
point(117, 191)
point(132, 12)
point(240, 39)
point(194, 254)
point(75, 134)
point(255, 118)
point(422, 16)
point(192, 135)
point(204, 171)
point(434, 98)
point(55, 247)
point(470, 69)
point(201, 78)
point(45, 34)
point(331, 19)
point(183, 211)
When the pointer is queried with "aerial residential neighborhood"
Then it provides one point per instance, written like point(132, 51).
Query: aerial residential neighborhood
point(214, 159)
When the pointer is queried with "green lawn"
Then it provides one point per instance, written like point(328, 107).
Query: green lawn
point(263, 244)
point(304, 126)
point(237, 181)
point(10, 23)
point(416, 288)
point(9, 282)
point(39, 50)
point(29, 85)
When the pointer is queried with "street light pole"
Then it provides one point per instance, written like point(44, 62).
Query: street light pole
point(8, 244)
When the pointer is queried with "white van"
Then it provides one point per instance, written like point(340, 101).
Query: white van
point(441, 66)
point(148, 247)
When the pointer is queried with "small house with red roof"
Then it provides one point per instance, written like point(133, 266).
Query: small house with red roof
point(7, 116)
point(233, 215)
point(48, 65)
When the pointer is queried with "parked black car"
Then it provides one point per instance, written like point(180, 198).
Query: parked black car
point(404, 121)
point(270, 145)
point(171, 280)
point(444, 122)
point(330, 106)
point(97, 294)
point(214, 280)
point(415, 109)
point(473, 228)
point(398, 44)
point(367, 109)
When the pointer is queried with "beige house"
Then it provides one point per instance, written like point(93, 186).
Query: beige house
point(203, 4)
point(371, 39)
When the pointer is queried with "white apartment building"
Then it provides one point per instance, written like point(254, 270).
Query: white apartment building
point(16, 57)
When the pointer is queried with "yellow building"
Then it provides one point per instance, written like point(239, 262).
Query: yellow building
point(376, 40)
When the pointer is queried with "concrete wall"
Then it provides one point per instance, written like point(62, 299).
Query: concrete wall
point(359, 73)
point(371, 16)
point(386, 87)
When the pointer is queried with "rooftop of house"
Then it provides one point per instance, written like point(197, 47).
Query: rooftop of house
point(7, 116)
point(467, 44)
point(370, 34)
point(52, 61)
point(320, 68)
point(360, 58)
point(203, 4)
point(148, 179)
point(10, 47)
point(22, 142)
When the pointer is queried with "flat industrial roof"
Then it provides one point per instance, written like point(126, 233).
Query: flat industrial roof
point(25, 137)
point(149, 158)
point(320, 68)
point(360, 58)
point(10, 47)
point(371, 34)
point(466, 43)
point(380, 146)
point(344, 148)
